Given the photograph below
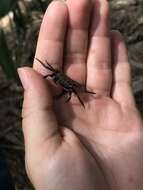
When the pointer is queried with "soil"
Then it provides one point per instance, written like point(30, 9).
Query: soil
point(126, 16)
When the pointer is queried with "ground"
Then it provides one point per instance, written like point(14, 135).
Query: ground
point(127, 17)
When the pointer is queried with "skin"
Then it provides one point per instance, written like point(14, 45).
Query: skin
point(69, 147)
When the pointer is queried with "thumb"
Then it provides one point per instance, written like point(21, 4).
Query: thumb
point(38, 119)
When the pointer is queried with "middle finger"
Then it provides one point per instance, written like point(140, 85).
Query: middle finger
point(77, 39)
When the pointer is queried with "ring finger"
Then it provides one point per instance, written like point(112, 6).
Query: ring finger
point(99, 74)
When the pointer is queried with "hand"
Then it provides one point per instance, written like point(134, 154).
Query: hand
point(67, 146)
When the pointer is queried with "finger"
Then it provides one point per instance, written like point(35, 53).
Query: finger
point(39, 122)
point(99, 73)
point(77, 38)
point(122, 90)
point(51, 37)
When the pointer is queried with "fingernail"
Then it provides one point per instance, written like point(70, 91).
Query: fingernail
point(23, 75)
point(117, 32)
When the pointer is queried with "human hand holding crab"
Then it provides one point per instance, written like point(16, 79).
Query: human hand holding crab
point(67, 146)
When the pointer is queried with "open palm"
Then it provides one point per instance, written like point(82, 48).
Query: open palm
point(68, 146)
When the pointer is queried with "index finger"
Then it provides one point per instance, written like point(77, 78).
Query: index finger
point(51, 37)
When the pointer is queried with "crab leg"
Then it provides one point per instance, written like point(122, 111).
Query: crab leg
point(78, 98)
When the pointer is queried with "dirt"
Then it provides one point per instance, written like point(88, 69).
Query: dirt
point(127, 17)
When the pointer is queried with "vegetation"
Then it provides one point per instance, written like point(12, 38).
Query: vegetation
point(19, 15)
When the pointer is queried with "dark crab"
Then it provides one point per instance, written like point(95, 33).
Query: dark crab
point(68, 85)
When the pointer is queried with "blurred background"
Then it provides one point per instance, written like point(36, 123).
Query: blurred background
point(19, 27)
